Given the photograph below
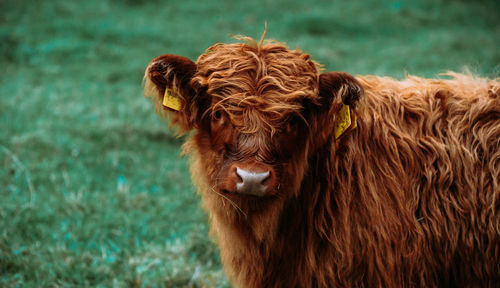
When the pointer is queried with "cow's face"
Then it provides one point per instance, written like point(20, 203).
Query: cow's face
point(259, 114)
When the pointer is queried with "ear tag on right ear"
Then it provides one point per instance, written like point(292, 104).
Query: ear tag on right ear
point(171, 100)
point(343, 121)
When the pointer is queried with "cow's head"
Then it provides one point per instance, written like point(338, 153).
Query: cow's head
point(259, 111)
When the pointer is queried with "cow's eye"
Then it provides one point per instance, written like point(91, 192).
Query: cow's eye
point(217, 115)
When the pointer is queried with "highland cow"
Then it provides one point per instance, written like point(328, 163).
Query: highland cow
point(317, 179)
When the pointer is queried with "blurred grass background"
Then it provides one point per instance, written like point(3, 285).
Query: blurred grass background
point(93, 191)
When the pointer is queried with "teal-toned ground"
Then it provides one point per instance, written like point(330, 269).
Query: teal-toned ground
point(93, 191)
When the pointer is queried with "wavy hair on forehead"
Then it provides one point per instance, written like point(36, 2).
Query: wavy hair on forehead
point(264, 76)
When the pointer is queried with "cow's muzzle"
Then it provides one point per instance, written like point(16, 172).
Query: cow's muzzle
point(256, 179)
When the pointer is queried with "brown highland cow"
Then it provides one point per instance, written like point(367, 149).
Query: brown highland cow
point(325, 179)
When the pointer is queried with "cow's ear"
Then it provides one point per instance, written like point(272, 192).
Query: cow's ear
point(339, 93)
point(168, 82)
point(339, 87)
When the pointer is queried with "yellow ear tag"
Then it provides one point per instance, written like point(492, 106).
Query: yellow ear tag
point(343, 121)
point(171, 100)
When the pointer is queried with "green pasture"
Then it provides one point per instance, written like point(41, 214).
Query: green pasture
point(93, 192)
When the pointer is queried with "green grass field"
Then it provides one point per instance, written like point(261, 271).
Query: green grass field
point(93, 191)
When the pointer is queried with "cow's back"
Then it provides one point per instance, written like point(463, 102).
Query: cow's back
point(430, 149)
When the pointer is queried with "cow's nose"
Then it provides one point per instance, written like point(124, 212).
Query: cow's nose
point(251, 182)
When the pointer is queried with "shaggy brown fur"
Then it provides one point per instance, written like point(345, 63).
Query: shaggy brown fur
point(408, 198)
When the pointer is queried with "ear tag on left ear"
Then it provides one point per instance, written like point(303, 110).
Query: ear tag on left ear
point(171, 100)
point(343, 121)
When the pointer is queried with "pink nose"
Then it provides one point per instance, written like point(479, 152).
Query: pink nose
point(252, 180)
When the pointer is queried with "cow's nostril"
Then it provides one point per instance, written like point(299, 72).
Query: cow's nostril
point(265, 181)
point(238, 177)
